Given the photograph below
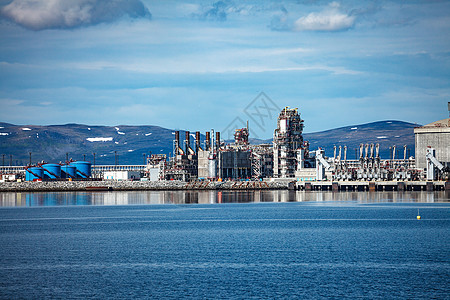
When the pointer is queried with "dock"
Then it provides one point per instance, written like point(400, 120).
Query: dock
point(373, 186)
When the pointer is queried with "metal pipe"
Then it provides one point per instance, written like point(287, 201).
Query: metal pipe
point(340, 153)
point(345, 153)
point(404, 152)
point(393, 152)
point(212, 140)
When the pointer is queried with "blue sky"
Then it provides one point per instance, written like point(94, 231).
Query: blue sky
point(197, 65)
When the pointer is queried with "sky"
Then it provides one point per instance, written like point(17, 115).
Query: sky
point(198, 65)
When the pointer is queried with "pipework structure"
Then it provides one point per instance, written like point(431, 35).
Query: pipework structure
point(287, 141)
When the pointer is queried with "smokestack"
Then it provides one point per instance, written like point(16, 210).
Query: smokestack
point(188, 142)
point(217, 140)
point(177, 142)
point(208, 142)
point(197, 141)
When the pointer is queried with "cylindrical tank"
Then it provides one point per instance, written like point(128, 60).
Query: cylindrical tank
point(34, 173)
point(83, 168)
point(212, 167)
point(52, 171)
point(68, 171)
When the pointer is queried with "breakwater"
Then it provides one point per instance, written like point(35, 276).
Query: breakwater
point(47, 186)
point(108, 185)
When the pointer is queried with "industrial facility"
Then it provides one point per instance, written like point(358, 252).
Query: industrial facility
point(288, 158)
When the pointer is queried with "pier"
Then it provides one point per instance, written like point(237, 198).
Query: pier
point(373, 186)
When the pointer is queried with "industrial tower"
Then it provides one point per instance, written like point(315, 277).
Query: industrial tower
point(287, 141)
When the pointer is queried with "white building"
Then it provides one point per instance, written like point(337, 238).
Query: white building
point(121, 175)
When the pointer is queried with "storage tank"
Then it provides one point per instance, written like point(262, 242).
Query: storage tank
point(52, 171)
point(68, 171)
point(83, 168)
point(33, 173)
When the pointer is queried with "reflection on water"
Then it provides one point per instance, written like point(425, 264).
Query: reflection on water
point(205, 197)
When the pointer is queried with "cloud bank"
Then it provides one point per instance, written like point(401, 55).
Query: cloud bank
point(62, 14)
point(330, 19)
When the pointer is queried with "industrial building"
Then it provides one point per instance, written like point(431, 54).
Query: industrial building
point(288, 158)
point(434, 135)
point(287, 142)
point(121, 175)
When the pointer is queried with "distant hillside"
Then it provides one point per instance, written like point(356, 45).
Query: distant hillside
point(51, 143)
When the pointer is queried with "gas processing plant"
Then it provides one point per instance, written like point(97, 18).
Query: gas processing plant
point(289, 158)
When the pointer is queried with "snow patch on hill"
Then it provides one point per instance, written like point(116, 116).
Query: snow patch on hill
point(100, 139)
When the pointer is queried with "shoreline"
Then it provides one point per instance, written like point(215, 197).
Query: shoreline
point(109, 185)
point(66, 186)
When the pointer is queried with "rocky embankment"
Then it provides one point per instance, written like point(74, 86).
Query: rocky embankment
point(46, 186)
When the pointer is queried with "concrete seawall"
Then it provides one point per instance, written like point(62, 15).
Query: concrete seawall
point(47, 186)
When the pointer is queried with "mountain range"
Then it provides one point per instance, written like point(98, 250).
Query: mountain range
point(130, 144)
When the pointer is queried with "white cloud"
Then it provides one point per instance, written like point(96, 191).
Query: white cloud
point(11, 102)
point(330, 19)
point(61, 14)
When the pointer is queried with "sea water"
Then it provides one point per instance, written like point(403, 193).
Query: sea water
point(233, 245)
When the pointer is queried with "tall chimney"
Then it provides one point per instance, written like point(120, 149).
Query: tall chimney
point(208, 141)
point(188, 142)
point(177, 142)
point(217, 140)
point(197, 141)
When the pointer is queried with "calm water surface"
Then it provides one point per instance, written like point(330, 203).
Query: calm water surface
point(213, 245)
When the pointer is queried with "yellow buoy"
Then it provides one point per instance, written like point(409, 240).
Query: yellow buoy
point(418, 215)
